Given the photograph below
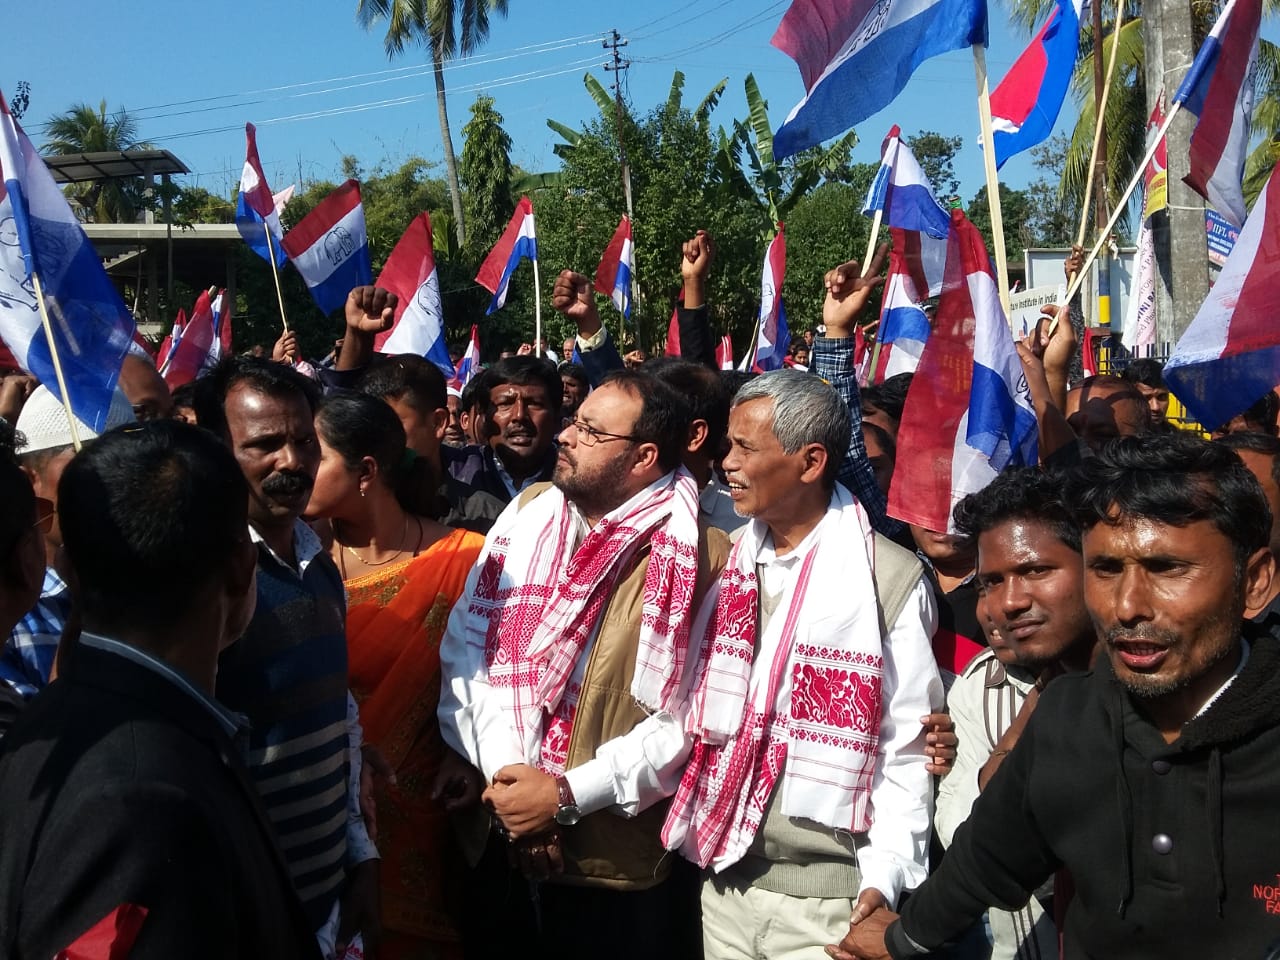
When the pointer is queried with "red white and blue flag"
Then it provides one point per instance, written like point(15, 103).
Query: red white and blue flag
point(410, 273)
point(772, 338)
point(968, 414)
point(170, 341)
point(724, 353)
point(855, 56)
point(221, 326)
point(469, 365)
point(518, 241)
point(902, 192)
point(1230, 354)
point(1219, 89)
point(1025, 106)
point(330, 248)
point(904, 327)
point(92, 327)
point(613, 276)
point(195, 352)
point(256, 213)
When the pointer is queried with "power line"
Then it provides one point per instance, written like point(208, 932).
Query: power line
point(388, 75)
point(752, 20)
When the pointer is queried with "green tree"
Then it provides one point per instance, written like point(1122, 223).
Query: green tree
point(937, 155)
point(486, 174)
point(82, 129)
point(198, 205)
point(1016, 210)
point(1053, 221)
point(446, 28)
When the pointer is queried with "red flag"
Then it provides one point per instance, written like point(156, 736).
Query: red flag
point(111, 938)
point(189, 358)
point(724, 353)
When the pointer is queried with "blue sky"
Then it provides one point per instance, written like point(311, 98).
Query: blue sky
point(193, 80)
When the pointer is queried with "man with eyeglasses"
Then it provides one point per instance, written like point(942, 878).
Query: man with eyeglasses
point(45, 451)
point(566, 667)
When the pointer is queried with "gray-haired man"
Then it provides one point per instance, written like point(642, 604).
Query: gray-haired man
point(807, 793)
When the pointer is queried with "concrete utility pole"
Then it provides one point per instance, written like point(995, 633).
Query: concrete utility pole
point(617, 67)
point(1182, 259)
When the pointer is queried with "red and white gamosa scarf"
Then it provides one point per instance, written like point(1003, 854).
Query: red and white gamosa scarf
point(811, 715)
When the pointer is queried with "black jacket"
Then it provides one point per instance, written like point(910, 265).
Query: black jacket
point(1174, 849)
point(116, 786)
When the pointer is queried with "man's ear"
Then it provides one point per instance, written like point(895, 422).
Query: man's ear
point(815, 463)
point(442, 422)
point(1259, 580)
point(698, 432)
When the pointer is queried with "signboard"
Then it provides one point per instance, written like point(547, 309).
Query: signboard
point(1024, 307)
point(1221, 236)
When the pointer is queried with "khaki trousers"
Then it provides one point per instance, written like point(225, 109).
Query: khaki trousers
point(747, 923)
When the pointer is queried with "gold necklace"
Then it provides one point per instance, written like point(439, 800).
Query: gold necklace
point(371, 563)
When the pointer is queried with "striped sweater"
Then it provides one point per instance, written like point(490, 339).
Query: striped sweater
point(288, 675)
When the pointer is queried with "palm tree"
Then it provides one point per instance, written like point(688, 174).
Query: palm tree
point(1127, 102)
point(447, 28)
point(82, 129)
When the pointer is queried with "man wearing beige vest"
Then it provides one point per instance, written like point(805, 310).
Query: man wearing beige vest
point(567, 666)
point(806, 798)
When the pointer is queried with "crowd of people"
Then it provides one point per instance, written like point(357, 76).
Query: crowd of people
point(626, 656)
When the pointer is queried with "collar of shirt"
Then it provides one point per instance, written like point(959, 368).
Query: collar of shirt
point(776, 571)
point(1244, 658)
point(306, 546)
point(231, 723)
point(53, 584)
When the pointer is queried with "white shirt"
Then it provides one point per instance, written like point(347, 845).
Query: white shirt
point(627, 774)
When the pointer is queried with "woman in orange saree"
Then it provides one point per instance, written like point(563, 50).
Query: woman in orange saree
point(403, 573)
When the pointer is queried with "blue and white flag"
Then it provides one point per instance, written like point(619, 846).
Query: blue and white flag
point(1219, 90)
point(903, 193)
point(410, 273)
point(855, 56)
point(256, 211)
point(518, 241)
point(330, 248)
point(92, 328)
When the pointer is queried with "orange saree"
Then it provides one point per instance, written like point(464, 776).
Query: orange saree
point(395, 620)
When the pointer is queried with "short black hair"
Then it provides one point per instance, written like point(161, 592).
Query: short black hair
point(889, 396)
point(1263, 413)
point(185, 396)
point(1175, 479)
point(734, 380)
point(883, 437)
point(576, 372)
point(150, 513)
point(526, 371)
point(407, 377)
point(703, 390)
point(664, 415)
point(476, 391)
point(1263, 443)
point(265, 376)
point(19, 499)
point(1145, 370)
point(1021, 493)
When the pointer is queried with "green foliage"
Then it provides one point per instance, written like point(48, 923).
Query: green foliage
point(198, 205)
point(486, 176)
point(1053, 221)
point(1016, 210)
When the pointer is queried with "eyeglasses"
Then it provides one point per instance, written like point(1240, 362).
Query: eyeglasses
point(44, 515)
point(589, 436)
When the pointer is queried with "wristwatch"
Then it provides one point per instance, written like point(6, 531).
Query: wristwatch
point(567, 814)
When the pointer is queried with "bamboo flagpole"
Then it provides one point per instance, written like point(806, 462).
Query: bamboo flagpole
point(993, 178)
point(1123, 203)
point(537, 294)
point(275, 273)
point(871, 243)
point(1099, 120)
point(57, 363)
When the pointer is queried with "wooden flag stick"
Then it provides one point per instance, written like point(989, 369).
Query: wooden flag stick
point(537, 307)
point(993, 178)
point(1099, 120)
point(1123, 203)
point(871, 243)
point(57, 363)
point(275, 273)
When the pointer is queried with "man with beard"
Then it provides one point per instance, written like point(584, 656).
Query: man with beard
point(1151, 779)
point(566, 665)
point(1030, 578)
point(288, 672)
point(521, 419)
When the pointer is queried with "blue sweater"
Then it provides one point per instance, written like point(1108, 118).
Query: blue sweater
point(288, 675)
